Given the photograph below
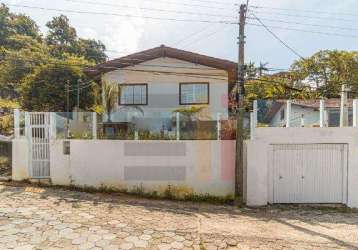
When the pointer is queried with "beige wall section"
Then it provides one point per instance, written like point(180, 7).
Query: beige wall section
point(163, 89)
point(258, 191)
point(20, 152)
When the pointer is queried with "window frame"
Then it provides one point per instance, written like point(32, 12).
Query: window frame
point(194, 83)
point(132, 85)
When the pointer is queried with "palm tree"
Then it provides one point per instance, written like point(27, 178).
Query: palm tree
point(110, 94)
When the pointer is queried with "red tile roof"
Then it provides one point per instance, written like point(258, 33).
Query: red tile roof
point(164, 51)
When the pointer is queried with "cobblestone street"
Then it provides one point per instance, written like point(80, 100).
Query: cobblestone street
point(47, 218)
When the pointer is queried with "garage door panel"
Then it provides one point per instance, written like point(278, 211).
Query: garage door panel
point(288, 188)
point(309, 173)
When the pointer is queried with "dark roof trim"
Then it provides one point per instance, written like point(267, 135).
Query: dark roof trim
point(164, 51)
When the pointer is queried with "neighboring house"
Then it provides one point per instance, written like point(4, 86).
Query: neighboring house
point(163, 79)
point(308, 110)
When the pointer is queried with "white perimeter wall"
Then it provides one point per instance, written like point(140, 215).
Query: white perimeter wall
point(257, 169)
point(201, 167)
point(20, 151)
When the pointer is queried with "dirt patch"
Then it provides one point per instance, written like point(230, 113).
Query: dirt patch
point(5, 166)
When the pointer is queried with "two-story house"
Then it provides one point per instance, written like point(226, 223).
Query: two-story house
point(161, 80)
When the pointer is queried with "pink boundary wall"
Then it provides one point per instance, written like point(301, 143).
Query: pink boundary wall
point(227, 160)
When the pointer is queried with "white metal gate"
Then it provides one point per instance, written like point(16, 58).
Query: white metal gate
point(38, 131)
point(309, 173)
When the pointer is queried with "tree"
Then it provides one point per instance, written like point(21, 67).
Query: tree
point(328, 70)
point(13, 24)
point(45, 88)
point(24, 25)
point(92, 50)
point(61, 36)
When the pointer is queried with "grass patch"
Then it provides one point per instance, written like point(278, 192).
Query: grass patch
point(170, 193)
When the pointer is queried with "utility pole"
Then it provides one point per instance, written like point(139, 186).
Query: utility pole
point(240, 94)
point(67, 108)
point(79, 82)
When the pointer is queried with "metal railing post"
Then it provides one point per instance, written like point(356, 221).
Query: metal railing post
point(178, 126)
point(355, 113)
point(218, 126)
point(255, 110)
point(252, 125)
point(288, 114)
point(321, 114)
point(17, 123)
point(94, 125)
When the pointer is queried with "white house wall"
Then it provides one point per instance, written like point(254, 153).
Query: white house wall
point(311, 116)
point(163, 89)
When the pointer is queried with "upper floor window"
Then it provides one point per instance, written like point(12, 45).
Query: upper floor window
point(194, 93)
point(133, 94)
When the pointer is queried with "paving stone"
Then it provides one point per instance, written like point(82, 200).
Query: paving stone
point(177, 245)
point(111, 247)
point(102, 243)
point(231, 242)
point(145, 237)
point(127, 245)
point(121, 225)
point(109, 236)
point(178, 238)
point(169, 234)
point(79, 241)
point(24, 247)
point(86, 245)
point(94, 238)
point(164, 246)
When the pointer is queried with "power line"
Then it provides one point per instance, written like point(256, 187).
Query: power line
point(193, 5)
point(192, 34)
point(146, 65)
point(113, 67)
point(307, 24)
point(122, 15)
point(304, 16)
point(214, 2)
point(305, 10)
point(276, 83)
point(147, 9)
point(306, 31)
point(206, 36)
point(278, 38)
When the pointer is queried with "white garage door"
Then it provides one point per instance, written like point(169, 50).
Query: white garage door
point(309, 173)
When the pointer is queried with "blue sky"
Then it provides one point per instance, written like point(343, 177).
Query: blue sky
point(124, 35)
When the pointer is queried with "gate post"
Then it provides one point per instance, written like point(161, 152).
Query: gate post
point(52, 125)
